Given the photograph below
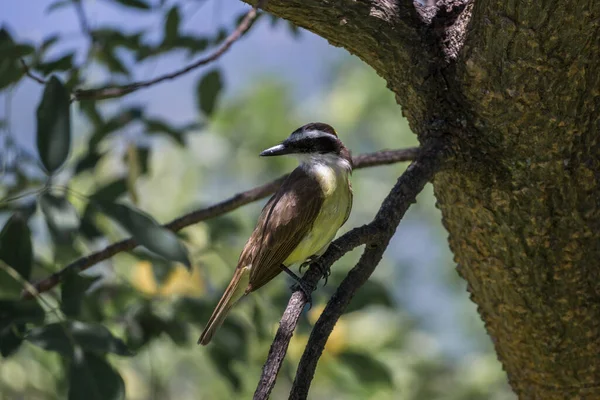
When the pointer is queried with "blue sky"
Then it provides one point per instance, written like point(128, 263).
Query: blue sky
point(304, 62)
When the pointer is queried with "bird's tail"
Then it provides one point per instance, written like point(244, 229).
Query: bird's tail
point(235, 291)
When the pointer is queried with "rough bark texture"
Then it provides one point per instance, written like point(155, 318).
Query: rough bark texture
point(521, 197)
point(524, 221)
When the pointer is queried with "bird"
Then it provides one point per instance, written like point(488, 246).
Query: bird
point(299, 221)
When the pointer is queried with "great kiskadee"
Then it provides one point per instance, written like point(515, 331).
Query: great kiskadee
point(301, 219)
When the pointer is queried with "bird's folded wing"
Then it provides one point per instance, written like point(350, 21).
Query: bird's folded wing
point(285, 220)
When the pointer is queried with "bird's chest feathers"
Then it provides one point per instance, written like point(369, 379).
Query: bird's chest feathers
point(327, 177)
point(336, 203)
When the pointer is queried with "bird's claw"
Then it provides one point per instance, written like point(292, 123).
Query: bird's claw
point(325, 272)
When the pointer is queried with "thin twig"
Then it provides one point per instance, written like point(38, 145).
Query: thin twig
point(108, 92)
point(240, 199)
point(83, 21)
point(376, 235)
point(30, 74)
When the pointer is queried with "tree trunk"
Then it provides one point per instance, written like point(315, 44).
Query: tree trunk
point(514, 87)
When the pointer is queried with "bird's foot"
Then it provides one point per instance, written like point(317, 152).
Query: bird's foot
point(298, 285)
point(325, 271)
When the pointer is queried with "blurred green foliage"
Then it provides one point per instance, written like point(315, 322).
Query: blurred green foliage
point(129, 325)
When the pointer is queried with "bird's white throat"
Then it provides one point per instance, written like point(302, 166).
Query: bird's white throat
point(329, 169)
point(312, 161)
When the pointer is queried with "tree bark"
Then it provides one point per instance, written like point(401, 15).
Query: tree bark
point(514, 87)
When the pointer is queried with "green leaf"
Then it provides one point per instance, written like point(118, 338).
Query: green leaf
point(222, 361)
point(114, 38)
point(223, 227)
point(112, 61)
point(192, 310)
point(208, 91)
point(20, 312)
point(10, 69)
point(73, 291)
point(48, 42)
point(109, 301)
point(147, 232)
point(138, 4)
point(144, 325)
point(6, 40)
point(54, 125)
point(93, 378)
point(260, 323)
point(88, 226)
point(88, 161)
point(177, 331)
point(193, 44)
point(74, 79)
point(9, 72)
point(220, 36)
point(111, 191)
point(61, 217)
point(62, 63)
point(63, 337)
point(90, 109)
point(12, 50)
point(233, 335)
point(11, 339)
point(371, 293)
point(119, 121)
point(155, 125)
point(172, 23)
point(366, 368)
point(13, 317)
point(16, 251)
point(160, 267)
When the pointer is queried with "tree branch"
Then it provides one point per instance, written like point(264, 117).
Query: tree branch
point(376, 235)
point(362, 161)
point(289, 320)
point(393, 208)
point(30, 74)
point(108, 92)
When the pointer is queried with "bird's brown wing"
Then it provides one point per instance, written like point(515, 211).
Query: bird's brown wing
point(284, 221)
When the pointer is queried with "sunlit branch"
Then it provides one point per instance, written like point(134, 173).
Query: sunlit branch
point(240, 199)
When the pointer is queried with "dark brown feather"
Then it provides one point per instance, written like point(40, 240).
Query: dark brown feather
point(284, 221)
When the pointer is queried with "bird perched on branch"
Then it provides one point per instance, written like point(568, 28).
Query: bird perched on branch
point(301, 219)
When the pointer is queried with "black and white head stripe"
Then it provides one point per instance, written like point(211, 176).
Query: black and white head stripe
point(314, 138)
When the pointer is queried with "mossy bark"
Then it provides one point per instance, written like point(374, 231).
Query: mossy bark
point(514, 87)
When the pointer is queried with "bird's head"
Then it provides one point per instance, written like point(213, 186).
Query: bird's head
point(312, 141)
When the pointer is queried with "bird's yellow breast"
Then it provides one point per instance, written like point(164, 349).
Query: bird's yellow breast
point(335, 184)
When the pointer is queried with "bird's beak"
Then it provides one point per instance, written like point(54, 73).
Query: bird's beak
point(278, 150)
